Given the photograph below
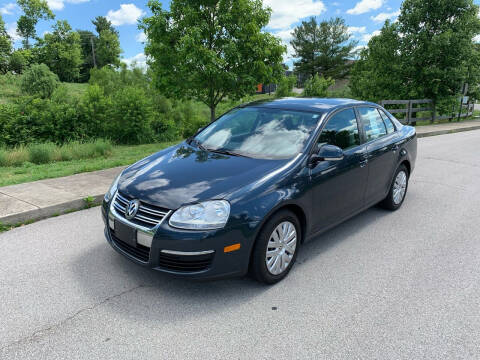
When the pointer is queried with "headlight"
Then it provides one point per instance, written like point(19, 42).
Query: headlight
point(113, 189)
point(208, 215)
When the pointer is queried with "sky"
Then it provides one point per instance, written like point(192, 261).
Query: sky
point(363, 17)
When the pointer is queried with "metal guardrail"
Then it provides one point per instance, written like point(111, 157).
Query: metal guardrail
point(412, 107)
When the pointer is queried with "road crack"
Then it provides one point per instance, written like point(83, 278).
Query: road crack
point(39, 333)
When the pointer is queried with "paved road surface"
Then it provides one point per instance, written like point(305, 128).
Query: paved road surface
point(382, 285)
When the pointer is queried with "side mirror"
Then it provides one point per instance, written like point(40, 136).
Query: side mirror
point(327, 153)
point(330, 153)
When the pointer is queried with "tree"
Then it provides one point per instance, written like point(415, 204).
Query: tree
point(102, 23)
point(5, 47)
point(377, 75)
point(87, 42)
point(437, 46)
point(33, 10)
point(429, 53)
point(62, 52)
point(210, 49)
point(108, 49)
point(324, 48)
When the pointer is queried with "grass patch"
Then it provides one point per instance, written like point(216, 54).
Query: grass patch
point(47, 153)
point(120, 156)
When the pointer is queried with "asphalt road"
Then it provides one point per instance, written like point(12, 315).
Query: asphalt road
point(402, 285)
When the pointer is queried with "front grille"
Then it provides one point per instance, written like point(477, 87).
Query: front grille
point(139, 252)
point(147, 216)
point(182, 263)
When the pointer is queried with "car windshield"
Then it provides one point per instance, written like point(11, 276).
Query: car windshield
point(259, 133)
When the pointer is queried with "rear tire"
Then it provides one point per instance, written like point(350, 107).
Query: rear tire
point(398, 190)
point(276, 248)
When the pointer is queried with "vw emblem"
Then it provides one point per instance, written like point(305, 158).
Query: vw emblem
point(131, 209)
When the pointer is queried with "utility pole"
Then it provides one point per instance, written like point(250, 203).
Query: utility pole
point(93, 52)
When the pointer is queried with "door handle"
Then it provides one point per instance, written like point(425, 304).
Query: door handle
point(363, 163)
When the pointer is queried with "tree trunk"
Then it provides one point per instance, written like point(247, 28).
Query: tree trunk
point(212, 113)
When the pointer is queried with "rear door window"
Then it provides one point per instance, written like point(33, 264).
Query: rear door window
point(372, 123)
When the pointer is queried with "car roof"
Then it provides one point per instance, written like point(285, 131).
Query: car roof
point(317, 105)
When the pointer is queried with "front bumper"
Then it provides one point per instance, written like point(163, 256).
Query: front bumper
point(191, 254)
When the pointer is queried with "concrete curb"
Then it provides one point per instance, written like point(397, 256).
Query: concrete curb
point(445, 132)
point(50, 211)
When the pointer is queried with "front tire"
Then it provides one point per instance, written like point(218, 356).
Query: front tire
point(398, 190)
point(276, 248)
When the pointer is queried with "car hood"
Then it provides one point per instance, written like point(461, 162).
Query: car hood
point(184, 174)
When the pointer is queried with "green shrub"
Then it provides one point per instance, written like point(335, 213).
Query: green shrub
point(19, 61)
point(285, 86)
point(345, 93)
point(39, 81)
point(317, 86)
point(132, 114)
point(41, 153)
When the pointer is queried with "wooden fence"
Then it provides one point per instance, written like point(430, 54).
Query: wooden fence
point(411, 107)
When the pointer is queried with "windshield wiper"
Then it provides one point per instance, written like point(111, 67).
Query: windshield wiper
point(198, 144)
point(227, 152)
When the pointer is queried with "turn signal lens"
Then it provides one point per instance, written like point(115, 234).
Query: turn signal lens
point(231, 248)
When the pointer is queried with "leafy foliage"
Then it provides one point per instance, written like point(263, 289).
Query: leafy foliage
point(210, 49)
point(317, 86)
point(34, 10)
point(285, 86)
point(378, 74)
point(429, 53)
point(62, 52)
point(5, 47)
point(38, 80)
point(324, 48)
point(19, 61)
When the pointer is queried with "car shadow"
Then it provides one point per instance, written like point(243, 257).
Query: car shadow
point(125, 288)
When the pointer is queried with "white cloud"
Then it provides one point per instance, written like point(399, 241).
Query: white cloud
point(382, 17)
point(141, 37)
point(287, 12)
point(286, 36)
point(8, 9)
point(365, 6)
point(357, 29)
point(139, 60)
point(60, 4)
point(477, 39)
point(12, 31)
point(367, 37)
point(128, 14)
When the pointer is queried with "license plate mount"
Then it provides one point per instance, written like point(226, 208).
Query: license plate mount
point(125, 233)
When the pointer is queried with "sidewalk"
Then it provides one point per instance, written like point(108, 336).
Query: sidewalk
point(447, 128)
point(45, 198)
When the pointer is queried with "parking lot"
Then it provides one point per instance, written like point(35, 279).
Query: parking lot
point(383, 285)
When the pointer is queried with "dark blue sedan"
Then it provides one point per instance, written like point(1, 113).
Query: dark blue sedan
point(248, 190)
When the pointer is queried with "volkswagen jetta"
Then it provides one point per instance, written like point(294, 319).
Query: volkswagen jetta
point(248, 190)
